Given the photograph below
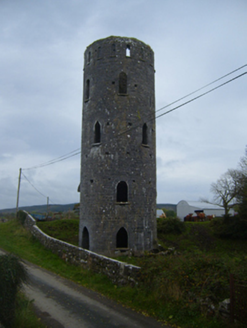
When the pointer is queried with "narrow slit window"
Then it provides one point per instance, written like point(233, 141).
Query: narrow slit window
point(113, 49)
point(99, 53)
point(97, 133)
point(142, 53)
point(89, 57)
point(128, 50)
point(123, 83)
point(122, 238)
point(87, 89)
point(144, 134)
point(122, 192)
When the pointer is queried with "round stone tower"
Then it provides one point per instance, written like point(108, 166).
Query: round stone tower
point(118, 160)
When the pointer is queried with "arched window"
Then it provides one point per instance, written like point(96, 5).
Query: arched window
point(122, 238)
point(144, 134)
point(128, 50)
point(122, 83)
point(97, 135)
point(87, 89)
point(122, 192)
point(85, 238)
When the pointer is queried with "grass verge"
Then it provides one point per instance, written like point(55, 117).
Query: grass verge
point(25, 315)
point(168, 284)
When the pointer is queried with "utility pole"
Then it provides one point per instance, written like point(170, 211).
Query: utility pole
point(47, 206)
point(18, 191)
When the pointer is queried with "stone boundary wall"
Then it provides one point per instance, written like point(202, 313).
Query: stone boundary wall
point(119, 272)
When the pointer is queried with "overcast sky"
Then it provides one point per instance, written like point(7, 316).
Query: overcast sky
point(41, 73)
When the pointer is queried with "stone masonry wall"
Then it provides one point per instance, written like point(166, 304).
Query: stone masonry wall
point(119, 272)
point(118, 152)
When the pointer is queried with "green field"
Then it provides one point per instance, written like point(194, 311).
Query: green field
point(66, 229)
point(178, 285)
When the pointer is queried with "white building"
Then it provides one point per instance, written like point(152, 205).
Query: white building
point(186, 207)
point(159, 212)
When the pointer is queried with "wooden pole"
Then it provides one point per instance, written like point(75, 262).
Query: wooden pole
point(18, 191)
point(47, 206)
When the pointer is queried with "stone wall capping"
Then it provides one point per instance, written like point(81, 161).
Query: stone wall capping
point(118, 272)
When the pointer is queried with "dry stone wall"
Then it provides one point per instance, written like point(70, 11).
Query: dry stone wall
point(119, 272)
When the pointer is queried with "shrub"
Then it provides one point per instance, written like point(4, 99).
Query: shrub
point(200, 235)
point(187, 278)
point(13, 274)
point(231, 228)
point(169, 213)
point(170, 225)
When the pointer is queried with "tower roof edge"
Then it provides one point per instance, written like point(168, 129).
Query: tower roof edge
point(120, 39)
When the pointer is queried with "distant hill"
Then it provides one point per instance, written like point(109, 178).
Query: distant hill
point(168, 206)
point(41, 208)
point(66, 208)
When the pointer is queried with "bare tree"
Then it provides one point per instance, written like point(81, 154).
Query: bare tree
point(243, 163)
point(227, 189)
point(242, 197)
point(231, 189)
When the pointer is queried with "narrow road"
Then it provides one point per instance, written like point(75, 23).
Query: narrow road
point(61, 303)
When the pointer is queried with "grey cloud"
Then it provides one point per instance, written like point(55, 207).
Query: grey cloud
point(41, 63)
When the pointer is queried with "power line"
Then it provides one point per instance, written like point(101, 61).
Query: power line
point(207, 85)
point(201, 95)
point(181, 105)
point(51, 203)
point(186, 96)
point(56, 160)
point(78, 151)
point(33, 186)
point(60, 157)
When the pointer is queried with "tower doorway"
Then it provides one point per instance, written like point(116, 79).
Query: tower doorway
point(85, 238)
point(122, 238)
